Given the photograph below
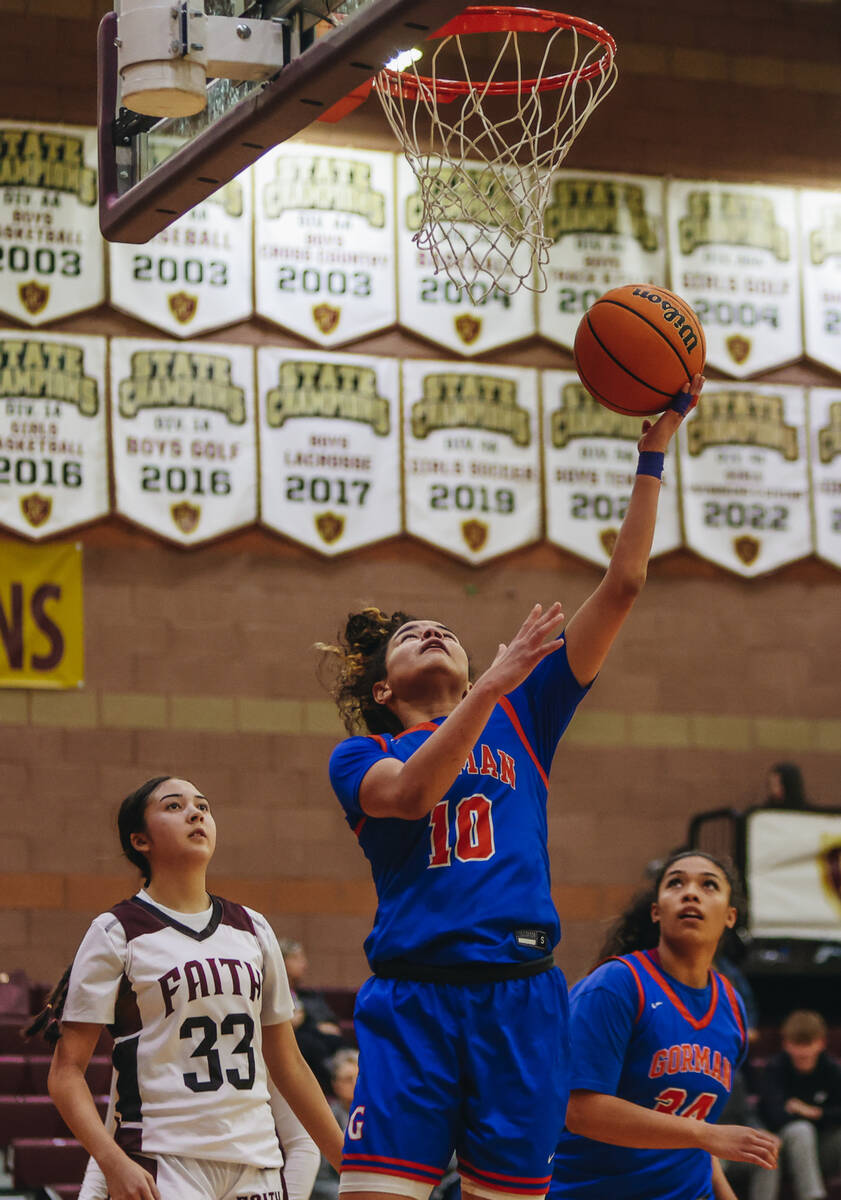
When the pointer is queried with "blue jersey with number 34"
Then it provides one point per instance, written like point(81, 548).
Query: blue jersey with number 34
point(641, 1035)
point(470, 881)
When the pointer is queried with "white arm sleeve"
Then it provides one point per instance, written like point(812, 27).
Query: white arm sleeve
point(300, 1152)
point(277, 1002)
point(97, 971)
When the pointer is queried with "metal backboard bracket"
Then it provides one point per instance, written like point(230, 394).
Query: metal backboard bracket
point(307, 86)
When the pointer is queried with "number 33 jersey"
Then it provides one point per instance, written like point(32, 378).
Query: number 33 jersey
point(185, 1006)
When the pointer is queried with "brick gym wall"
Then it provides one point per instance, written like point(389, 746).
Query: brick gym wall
point(199, 662)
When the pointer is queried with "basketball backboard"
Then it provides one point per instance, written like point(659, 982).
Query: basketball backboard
point(152, 170)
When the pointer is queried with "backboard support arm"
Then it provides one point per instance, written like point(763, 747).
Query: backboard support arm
point(304, 88)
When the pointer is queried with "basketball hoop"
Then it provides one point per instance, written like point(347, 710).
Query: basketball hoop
point(484, 169)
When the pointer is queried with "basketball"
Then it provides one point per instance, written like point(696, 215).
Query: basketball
point(636, 347)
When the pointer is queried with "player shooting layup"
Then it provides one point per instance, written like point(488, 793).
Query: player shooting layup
point(462, 1029)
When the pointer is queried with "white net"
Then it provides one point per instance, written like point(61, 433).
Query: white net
point(483, 152)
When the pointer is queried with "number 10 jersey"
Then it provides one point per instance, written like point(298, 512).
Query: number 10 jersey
point(185, 1007)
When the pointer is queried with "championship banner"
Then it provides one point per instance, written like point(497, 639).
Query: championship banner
point(734, 254)
point(744, 477)
point(794, 874)
point(472, 457)
point(825, 456)
point(53, 439)
point(590, 464)
point(196, 275)
point(184, 437)
point(41, 627)
point(605, 230)
point(51, 250)
point(329, 448)
point(324, 241)
point(468, 321)
point(820, 225)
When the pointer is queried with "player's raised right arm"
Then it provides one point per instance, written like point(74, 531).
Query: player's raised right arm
point(593, 629)
point(411, 789)
point(72, 1097)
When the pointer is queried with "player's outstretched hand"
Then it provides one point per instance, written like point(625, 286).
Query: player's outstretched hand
point(658, 435)
point(515, 662)
point(127, 1180)
point(740, 1143)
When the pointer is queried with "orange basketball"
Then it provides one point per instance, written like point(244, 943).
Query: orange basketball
point(636, 348)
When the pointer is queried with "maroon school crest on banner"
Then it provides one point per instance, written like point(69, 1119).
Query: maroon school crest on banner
point(36, 509)
point(468, 328)
point(738, 347)
point(330, 527)
point(33, 297)
point(183, 306)
point(747, 549)
point(475, 533)
point(829, 861)
point(608, 537)
point(326, 317)
point(186, 516)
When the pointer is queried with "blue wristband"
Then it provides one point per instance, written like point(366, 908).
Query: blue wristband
point(682, 403)
point(651, 463)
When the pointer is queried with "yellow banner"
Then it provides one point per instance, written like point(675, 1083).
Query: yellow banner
point(41, 627)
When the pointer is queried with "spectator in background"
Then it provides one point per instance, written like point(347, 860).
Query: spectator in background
point(785, 788)
point(316, 1026)
point(800, 1099)
point(343, 1069)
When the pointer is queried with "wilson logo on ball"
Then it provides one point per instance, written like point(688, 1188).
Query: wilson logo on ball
point(637, 347)
point(673, 315)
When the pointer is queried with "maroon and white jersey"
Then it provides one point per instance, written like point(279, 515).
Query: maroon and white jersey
point(185, 996)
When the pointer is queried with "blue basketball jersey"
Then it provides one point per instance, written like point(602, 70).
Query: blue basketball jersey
point(470, 881)
point(639, 1034)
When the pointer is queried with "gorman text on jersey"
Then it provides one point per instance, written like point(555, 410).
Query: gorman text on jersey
point(498, 765)
point(685, 1057)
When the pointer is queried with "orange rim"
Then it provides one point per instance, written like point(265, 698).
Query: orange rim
point(505, 19)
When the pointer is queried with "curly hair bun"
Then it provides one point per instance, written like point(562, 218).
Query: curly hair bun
point(366, 630)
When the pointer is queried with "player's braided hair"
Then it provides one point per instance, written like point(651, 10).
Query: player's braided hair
point(357, 662)
point(635, 929)
point(47, 1023)
point(132, 819)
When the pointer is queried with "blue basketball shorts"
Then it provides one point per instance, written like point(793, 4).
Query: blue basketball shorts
point(481, 1070)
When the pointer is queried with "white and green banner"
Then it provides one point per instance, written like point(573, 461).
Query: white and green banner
point(467, 320)
point(590, 462)
point(51, 251)
point(745, 477)
point(324, 241)
point(820, 227)
point(184, 437)
point(825, 454)
point(471, 457)
point(735, 258)
point(329, 447)
point(53, 435)
point(196, 274)
point(606, 231)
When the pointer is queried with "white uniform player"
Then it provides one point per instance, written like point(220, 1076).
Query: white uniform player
point(301, 1156)
point(185, 996)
